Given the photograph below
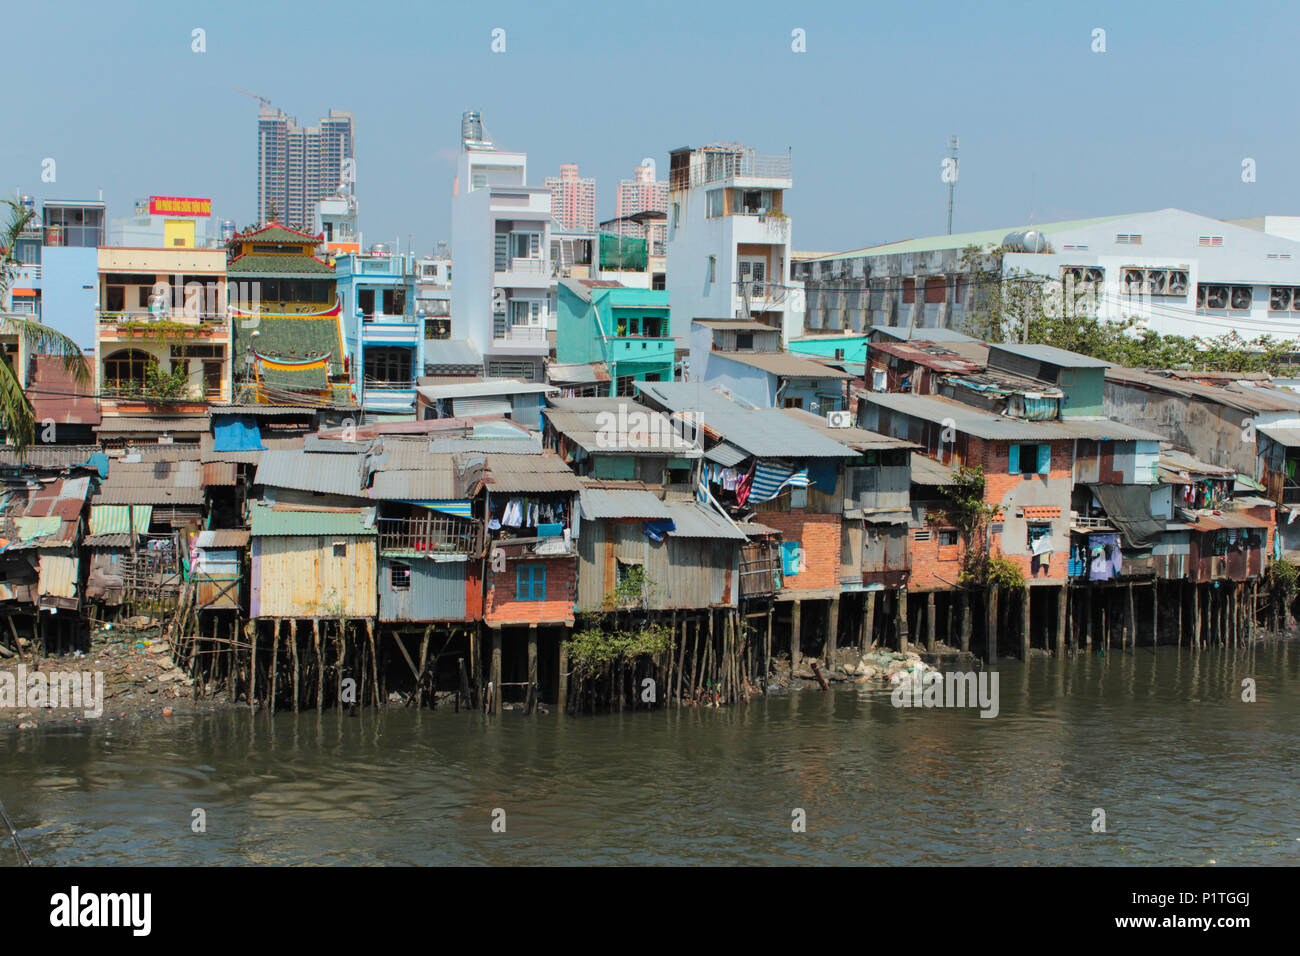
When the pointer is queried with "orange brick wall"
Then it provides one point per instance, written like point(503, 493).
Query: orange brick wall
point(1000, 487)
point(933, 567)
point(501, 608)
point(819, 537)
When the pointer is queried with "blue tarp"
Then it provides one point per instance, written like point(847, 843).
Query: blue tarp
point(655, 530)
point(237, 433)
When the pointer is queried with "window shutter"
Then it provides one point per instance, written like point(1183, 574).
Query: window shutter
point(1013, 459)
point(1044, 459)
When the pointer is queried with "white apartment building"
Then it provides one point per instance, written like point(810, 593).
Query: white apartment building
point(1178, 272)
point(501, 246)
point(728, 249)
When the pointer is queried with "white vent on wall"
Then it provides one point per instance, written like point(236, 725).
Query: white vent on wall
point(1279, 255)
point(1210, 241)
point(1128, 239)
point(921, 534)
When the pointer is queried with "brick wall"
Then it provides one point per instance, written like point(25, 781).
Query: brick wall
point(500, 607)
point(1040, 498)
point(819, 536)
point(934, 567)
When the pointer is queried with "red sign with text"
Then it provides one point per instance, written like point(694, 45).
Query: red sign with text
point(179, 206)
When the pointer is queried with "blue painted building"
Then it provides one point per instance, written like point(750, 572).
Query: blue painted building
point(382, 334)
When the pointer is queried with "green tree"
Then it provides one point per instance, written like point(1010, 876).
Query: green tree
point(16, 415)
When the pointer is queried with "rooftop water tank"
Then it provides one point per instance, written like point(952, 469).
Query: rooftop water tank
point(471, 127)
point(1026, 240)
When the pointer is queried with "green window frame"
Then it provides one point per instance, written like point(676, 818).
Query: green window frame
point(530, 582)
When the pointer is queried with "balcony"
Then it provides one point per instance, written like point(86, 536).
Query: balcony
point(521, 335)
point(430, 535)
point(711, 166)
point(623, 348)
point(147, 324)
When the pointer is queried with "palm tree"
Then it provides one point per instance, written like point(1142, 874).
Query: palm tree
point(17, 418)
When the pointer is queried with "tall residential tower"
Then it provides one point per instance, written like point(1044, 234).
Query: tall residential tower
point(297, 166)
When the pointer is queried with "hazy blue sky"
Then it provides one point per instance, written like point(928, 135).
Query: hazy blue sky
point(1049, 129)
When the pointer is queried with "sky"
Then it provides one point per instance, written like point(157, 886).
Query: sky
point(1049, 129)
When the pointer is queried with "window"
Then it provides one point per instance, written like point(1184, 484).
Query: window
point(340, 549)
point(525, 245)
point(399, 576)
point(530, 582)
point(126, 368)
point(524, 371)
point(713, 268)
point(1039, 538)
point(526, 312)
point(947, 538)
point(1029, 459)
point(794, 403)
point(714, 208)
point(387, 365)
point(677, 214)
point(744, 341)
point(212, 378)
point(366, 301)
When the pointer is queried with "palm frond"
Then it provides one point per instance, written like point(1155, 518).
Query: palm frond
point(16, 414)
point(42, 340)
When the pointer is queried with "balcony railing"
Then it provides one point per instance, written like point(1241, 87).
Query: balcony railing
point(529, 266)
point(382, 317)
point(144, 317)
point(711, 166)
point(431, 534)
point(522, 334)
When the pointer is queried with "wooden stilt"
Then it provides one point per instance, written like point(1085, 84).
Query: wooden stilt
point(903, 634)
point(374, 664)
point(930, 622)
point(495, 677)
point(832, 632)
point(275, 653)
point(992, 625)
point(869, 622)
point(796, 615)
point(320, 665)
point(1062, 610)
point(1025, 642)
point(293, 639)
point(965, 621)
point(252, 667)
point(531, 703)
point(562, 696)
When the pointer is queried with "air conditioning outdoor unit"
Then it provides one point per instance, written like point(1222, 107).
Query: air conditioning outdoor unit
point(839, 419)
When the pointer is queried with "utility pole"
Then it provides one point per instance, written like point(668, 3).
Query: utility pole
point(950, 175)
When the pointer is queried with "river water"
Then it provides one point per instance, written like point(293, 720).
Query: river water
point(1185, 771)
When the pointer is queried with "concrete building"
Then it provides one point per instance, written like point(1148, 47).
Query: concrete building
point(1179, 272)
point(58, 282)
point(573, 199)
point(643, 193)
point(170, 222)
point(745, 360)
point(297, 166)
point(382, 335)
point(626, 330)
point(728, 252)
point(335, 220)
point(500, 301)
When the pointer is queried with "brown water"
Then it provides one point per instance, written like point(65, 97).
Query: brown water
point(1186, 772)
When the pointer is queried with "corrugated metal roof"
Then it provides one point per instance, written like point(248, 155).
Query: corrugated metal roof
point(223, 538)
point(151, 482)
point(220, 473)
point(994, 427)
point(106, 541)
point(247, 457)
point(1176, 460)
point(763, 432)
point(932, 355)
point(48, 516)
point(577, 374)
point(336, 446)
point(752, 529)
point(498, 446)
point(738, 325)
point(119, 519)
point(726, 455)
point(631, 430)
point(264, 411)
point(1290, 437)
point(694, 521)
point(58, 575)
point(126, 425)
point(784, 364)
point(169, 451)
point(1253, 401)
point(283, 521)
point(431, 484)
point(483, 387)
point(1226, 521)
point(48, 456)
point(858, 438)
point(451, 352)
point(600, 503)
point(337, 474)
point(529, 473)
point(905, 333)
point(1049, 354)
point(927, 471)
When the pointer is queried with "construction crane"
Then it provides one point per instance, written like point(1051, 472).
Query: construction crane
point(262, 100)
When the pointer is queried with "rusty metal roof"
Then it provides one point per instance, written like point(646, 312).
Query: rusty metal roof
point(126, 425)
point(932, 355)
point(219, 473)
point(223, 538)
point(430, 484)
point(152, 483)
point(47, 456)
point(530, 473)
point(247, 457)
point(48, 516)
point(334, 474)
point(57, 396)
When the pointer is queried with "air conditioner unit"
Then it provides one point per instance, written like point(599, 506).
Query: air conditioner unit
point(839, 419)
point(1241, 297)
point(1279, 299)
